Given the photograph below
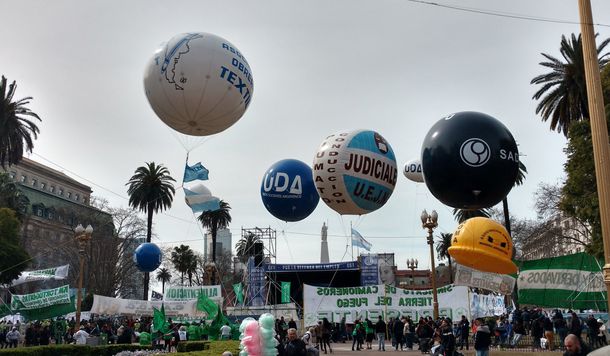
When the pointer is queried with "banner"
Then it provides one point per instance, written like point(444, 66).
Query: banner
point(499, 283)
point(380, 300)
point(369, 270)
point(359, 241)
point(256, 284)
point(285, 292)
point(486, 305)
point(44, 298)
point(238, 289)
point(156, 296)
point(175, 293)
point(312, 267)
point(115, 306)
point(573, 281)
point(51, 311)
point(56, 273)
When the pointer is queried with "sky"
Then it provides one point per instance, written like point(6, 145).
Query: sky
point(393, 66)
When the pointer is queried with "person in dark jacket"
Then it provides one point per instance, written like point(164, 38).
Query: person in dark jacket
point(575, 326)
point(464, 329)
point(575, 347)
point(537, 332)
point(447, 337)
point(482, 338)
point(294, 346)
point(398, 327)
point(380, 330)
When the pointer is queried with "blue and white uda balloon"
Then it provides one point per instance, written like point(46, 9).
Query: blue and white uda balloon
point(198, 84)
point(355, 171)
point(413, 171)
point(147, 257)
point(288, 191)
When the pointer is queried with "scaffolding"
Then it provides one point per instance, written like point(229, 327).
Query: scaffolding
point(269, 238)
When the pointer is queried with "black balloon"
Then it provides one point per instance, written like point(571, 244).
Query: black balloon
point(470, 160)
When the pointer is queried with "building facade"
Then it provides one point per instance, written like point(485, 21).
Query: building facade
point(558, 237)
point(224, 244)
point(57, 204)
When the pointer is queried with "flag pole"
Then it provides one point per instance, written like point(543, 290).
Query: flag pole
point(351, 234)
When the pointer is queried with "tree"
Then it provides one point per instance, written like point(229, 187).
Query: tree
point(245, 246)
point(163, 276)
point(183, 259)
point(563, 95)
point(214, 221)
point(462, 215)
point(150, 191)
point(11, 197)
point(13, 258)
point(17, 131)
point(442, 250)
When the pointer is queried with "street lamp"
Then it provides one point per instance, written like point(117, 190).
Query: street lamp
point(82, 236)
point(429, 222)
point(412, 265)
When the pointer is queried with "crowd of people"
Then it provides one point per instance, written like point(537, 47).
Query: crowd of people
point(110, 330)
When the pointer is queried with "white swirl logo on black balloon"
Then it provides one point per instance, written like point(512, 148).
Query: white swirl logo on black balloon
point(475, 152)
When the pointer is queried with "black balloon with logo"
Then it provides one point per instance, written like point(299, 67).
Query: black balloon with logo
point(470, 160)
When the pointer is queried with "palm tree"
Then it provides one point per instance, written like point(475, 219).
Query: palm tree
point(150, 191)
point(182, 259)
point(163, 276)
point(17, 132)
point(245, 246)
point(462, 215)
point(563, 95)
point(214, 221)
point(442, 250)
point(191, 269)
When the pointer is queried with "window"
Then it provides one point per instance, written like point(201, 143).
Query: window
point(52, 189)
point(13, 174)
point(76, 197)
point(69, 195)
point(51, 215)
point(43, 186)
point(39, 211)
point(34, 182)
point(60, 191)
point(23, 178)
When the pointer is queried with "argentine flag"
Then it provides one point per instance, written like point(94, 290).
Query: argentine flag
point(359, 241)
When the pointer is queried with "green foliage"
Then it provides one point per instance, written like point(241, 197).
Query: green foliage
point(12, 255)
point(17, 131)
point(184, 260)
point(73, 350)
point(11, 197)
point(189, 346)
point(245, 246)
point(579, 193)
point(215, 348)
point(563, 94)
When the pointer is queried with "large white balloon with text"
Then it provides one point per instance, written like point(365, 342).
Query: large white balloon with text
point(355, 171)
point(199, 84)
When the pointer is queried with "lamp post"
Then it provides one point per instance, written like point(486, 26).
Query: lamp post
point(82, 236)
point(412, 265)
point(429, 222)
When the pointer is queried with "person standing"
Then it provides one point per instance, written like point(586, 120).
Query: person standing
point(464, 330)
point(574, 346)
point(370, 333)
point(549, 335)
point(380, 330)
point(12, 337)
point(327, 329)
point(294, 345)
point(409, 332)
point(81, 336)
point(225, 332)
point(447, 337)
point(482, 338)
point(355, 336)
point(398, 333)
point(576, 326)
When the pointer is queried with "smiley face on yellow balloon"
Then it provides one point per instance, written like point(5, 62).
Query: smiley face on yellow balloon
point(483, 244)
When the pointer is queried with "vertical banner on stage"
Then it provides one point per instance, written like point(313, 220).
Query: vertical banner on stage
point(369, 270)
point(238, 289)
point(256, 284)
point(285, 292)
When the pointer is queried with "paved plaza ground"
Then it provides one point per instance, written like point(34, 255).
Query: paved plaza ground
point(341, 349)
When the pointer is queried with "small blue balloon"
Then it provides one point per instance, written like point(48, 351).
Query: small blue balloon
point(288, 191)
point(147, 257)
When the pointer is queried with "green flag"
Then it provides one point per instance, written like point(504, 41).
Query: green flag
point(573, 281)
point(159, 320)
point(285, 292)
point(239, 292)
point(207, 305)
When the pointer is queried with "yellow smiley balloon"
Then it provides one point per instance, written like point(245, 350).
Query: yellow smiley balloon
point(483, 244)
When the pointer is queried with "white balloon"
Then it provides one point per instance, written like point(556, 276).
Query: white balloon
point(198, 84)
point(413, 171)
point(355, 171)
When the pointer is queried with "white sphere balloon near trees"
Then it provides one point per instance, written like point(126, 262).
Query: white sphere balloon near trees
point(199, 84)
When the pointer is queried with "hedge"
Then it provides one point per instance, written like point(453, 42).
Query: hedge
point(209, 348)
point(73, 350)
